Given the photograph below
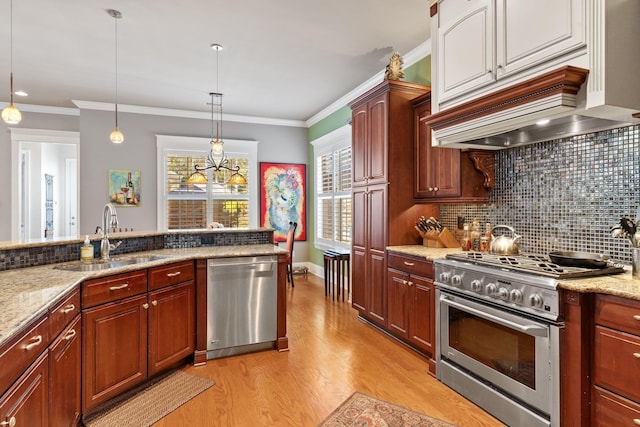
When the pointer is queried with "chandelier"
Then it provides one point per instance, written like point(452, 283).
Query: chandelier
point(216, 160)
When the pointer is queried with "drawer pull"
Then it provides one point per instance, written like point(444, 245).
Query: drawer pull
point(636, 355)
point(69, 335)
point(410, 264)
point(10, 423)
point(636, 316)
point(116, 288)
point(68, 308)
point(177, 273)
point(636, 421)
point(35, 341)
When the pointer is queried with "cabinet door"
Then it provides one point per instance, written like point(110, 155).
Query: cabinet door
point(114, 349)
point(532, 32)
point(26, 401)
point(64, 377)
point(378, 131)
point(358, 278)
point(376, 288)
point(445, 167)
point(172, 325)
point(398, 303)
point(359, 142)
point(465, 53)
point(422, 314)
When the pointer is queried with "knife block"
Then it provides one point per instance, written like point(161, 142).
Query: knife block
point(443, 239)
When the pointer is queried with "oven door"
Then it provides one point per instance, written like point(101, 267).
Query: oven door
point(511, 352)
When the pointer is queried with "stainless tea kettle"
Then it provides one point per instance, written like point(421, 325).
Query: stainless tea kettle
point(503, 245)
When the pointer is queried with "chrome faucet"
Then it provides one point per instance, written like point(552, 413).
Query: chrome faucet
point(109, 220)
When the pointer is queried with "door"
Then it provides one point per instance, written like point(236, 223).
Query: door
point(64, 377)
point(377, 244)
point(398, 305)
point(172, 325)
point(114, 349)
point(465, 50)
point(71, 197)
point(422, 331)
point(25, 404)
point(530, 33)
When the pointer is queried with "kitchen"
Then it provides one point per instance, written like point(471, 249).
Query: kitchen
point(552, 229)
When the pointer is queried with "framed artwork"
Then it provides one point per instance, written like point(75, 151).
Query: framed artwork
point(124, 187)
point(283, 188)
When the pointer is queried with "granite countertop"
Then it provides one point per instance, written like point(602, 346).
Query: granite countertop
point(26, 293)
point(622, 285)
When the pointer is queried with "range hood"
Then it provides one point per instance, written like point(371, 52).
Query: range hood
point(550, 106)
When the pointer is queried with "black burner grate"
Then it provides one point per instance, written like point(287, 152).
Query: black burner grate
point(534, 264)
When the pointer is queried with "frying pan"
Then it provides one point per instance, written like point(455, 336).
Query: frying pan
point(579, 259)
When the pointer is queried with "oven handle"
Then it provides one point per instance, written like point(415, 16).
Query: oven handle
point(533, 330)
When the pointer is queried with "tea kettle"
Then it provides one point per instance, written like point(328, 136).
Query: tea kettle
point(503, 245)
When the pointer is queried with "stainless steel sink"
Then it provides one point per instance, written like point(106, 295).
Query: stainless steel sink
point(100, 264)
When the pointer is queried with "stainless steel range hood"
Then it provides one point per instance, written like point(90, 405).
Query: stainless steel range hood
point(550, 106)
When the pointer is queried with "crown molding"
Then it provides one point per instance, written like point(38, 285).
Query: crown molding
point(156, 111)
point(31, 108)
point(416, 54)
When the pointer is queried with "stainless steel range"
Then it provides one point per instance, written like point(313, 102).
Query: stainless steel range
point(497, 323)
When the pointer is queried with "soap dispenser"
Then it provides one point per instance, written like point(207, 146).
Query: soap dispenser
point(86, 251)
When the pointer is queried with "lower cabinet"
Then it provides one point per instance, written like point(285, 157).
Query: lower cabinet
point(616, 362)
point(26, 402)
point(411, 302)
point(125, 341)
point(64, 376)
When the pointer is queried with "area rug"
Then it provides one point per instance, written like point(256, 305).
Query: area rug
point(145, 406)
point(362, 410)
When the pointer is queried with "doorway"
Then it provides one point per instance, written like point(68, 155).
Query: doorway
point(44, 184)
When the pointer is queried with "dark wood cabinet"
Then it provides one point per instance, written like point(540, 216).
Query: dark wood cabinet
point(26, 402)
point(382, 152)
point(442, 174)
point(616, 362)
point(114, 349)
point(125, 341)
point(65, 361)
point(172, 326)
point(411, 302)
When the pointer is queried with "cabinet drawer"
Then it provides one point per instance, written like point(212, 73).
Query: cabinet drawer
point(613, 410)
point(617, 361)
point(112, 288)
point(63, 313)
point(411, 265)
point(21, 351)
point(159, 277)
point(618, 313)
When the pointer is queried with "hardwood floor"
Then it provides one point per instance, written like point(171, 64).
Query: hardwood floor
point(332, 354)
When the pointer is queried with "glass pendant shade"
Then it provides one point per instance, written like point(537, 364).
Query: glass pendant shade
point(116, 136)
point(197, 178)
point(237, 179)
point(217, 147)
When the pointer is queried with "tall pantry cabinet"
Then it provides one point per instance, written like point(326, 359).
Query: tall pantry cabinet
point(383, 174)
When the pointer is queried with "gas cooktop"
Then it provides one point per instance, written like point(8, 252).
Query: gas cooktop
point(535, 264)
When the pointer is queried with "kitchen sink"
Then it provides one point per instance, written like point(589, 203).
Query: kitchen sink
point(101, 264)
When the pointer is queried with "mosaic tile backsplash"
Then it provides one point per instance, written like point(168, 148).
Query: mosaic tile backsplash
point(564, 194)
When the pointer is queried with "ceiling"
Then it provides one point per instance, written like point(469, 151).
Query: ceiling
point(282, 59)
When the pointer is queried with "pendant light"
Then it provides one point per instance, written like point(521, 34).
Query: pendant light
point(11, 115)
point(217, 159)
point(116, 136)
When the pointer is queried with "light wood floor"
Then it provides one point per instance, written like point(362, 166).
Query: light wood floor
point(332, 354)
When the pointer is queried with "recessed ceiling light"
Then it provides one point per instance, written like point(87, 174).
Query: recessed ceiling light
point(20, 93)
point(542, 122)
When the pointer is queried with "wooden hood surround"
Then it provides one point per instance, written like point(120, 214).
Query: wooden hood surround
point(564, 81)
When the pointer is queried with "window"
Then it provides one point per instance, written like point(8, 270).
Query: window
point(333, 189)
point(187, 206)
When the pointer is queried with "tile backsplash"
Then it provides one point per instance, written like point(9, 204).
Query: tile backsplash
point(564, 194)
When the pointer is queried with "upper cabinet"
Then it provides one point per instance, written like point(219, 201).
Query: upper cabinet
point(482, 41)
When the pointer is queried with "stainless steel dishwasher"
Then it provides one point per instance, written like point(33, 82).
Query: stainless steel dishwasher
point(241, 305)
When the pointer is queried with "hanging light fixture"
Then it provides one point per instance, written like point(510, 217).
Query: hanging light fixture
point(11, 115)
point(216, 159)
point(116, 136)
